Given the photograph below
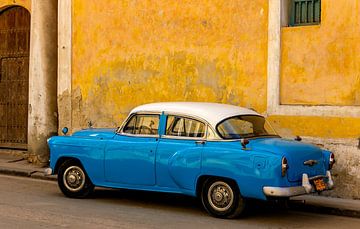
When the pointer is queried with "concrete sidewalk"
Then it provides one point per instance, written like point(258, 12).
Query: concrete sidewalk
point(13, 163)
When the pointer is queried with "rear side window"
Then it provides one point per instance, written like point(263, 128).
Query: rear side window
point(184, 127)
point(142, 125)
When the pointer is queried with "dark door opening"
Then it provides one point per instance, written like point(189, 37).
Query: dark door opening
point(14, 76)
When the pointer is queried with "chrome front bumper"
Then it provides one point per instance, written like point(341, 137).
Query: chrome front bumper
point(305, 188)
point(48, 171)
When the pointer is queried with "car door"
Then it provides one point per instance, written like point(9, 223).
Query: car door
point(130, 155)
point(178, 156)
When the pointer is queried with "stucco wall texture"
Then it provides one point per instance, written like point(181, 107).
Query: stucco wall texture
point(24, 3)
point(321, 63)
point(127, 53)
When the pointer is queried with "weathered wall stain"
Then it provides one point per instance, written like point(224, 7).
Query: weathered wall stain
point(346, 171)
point(320, 64)
point(326, 127)
point(150, 51)
point(174, 77)
point(64, 105)
point(24, 3)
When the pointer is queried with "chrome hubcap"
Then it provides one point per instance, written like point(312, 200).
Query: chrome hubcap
point(220, 196)
point(74, 178)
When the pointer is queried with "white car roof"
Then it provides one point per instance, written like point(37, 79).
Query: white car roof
point(213, 113)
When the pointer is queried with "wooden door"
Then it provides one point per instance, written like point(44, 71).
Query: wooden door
point(14, 76)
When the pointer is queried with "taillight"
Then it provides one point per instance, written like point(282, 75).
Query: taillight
point(284, 166)
point(331, 160)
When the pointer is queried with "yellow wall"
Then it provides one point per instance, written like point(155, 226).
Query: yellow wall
point(321, 64)
point(127, 53)
point(316, 126)
point(24, 3)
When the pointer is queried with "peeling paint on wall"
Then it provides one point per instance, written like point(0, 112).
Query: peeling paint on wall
point(167, 51)
point(320, 64)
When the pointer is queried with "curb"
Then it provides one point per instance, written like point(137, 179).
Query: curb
point(304, 207)
point(33, 174)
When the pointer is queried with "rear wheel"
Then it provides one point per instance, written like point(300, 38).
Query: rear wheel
point(221, 198)
point(73, 180)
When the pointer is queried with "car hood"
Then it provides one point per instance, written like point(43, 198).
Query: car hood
point(96, 133)
point(295, 152)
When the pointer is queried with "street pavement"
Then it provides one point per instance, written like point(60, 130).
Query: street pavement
point(35, 203)
point(13, 163)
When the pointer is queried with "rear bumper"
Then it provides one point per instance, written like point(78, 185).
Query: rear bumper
point(305, 188)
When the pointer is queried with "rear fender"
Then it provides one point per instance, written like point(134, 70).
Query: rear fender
point(184, 167)
point(252, 170)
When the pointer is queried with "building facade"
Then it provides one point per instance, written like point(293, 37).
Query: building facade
point(295, 61)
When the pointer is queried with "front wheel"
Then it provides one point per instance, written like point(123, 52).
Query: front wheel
point(221, 198)
point(73, 181)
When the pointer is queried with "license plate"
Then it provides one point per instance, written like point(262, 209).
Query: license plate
point(319, 185)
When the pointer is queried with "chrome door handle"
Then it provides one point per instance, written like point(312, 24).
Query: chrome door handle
point(200, 142)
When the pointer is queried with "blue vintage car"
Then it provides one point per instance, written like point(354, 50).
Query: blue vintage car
point(221, 153)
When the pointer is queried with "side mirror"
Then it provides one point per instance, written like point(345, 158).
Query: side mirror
point(244, 142)
point(298, 138)
point(65, 130)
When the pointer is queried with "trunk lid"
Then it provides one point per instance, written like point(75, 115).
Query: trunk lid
point(296, 153)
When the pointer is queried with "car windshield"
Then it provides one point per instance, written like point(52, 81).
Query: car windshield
point(245, 126)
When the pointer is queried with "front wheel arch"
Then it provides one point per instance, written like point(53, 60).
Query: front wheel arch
point(61, 160)
point(76, 174)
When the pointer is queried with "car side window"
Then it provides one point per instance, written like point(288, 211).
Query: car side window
point(142, 125)
point(184, 127)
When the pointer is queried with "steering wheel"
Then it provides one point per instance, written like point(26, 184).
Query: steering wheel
point(145, 130)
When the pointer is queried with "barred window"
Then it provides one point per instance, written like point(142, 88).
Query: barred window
point(305, 12)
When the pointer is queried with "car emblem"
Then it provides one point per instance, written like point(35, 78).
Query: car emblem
point(310, 162)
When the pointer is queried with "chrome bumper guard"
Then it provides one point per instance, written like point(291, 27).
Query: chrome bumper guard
point(305, 188)
point(48, 171)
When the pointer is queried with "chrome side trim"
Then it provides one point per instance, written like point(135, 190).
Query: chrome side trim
point(182, 138)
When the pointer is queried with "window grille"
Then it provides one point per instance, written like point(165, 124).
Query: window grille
point(305, 12)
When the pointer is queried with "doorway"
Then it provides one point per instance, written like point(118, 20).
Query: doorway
point(14, 76)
